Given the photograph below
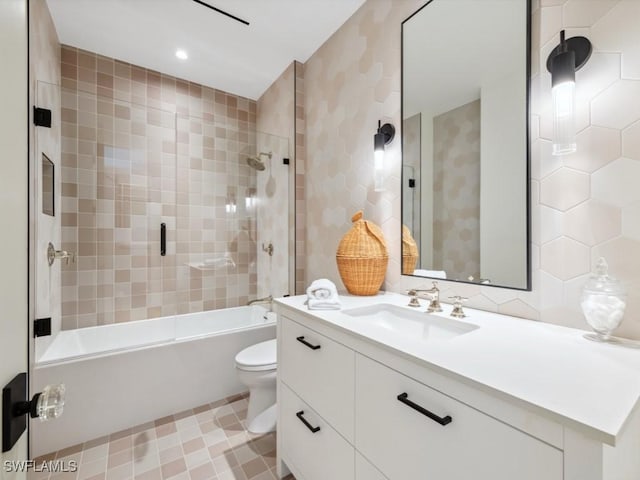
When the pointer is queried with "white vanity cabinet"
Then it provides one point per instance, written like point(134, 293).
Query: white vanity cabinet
point(352, 407)
point(321, 372)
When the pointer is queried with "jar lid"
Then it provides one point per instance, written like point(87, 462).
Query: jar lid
point(601, 282)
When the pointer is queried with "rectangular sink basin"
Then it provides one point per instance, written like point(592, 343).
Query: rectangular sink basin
point(415, 325)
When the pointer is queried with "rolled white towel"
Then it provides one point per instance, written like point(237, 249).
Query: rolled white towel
point(322, 288)
point(322, 294)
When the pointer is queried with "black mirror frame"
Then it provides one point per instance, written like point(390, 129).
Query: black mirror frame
point(528, 286)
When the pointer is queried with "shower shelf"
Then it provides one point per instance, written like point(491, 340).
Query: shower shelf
point(224, 263)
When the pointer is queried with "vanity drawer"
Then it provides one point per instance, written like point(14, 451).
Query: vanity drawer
point(447, 440)
point(366, 471)
point(320, 371)
point(315, 455)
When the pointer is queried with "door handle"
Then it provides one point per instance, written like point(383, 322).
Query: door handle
point(46, 405)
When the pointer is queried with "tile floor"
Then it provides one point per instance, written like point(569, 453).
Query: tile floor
point(207, 442)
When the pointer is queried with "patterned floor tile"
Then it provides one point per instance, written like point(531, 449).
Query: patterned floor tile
point(208, 442)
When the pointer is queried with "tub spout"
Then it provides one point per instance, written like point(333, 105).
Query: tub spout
point(268, 300)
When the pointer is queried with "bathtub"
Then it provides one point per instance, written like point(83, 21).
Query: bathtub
point(118, 376)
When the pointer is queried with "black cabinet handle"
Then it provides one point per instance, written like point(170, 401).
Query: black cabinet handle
point(163, 239)
point(312, 347)
point(306, 424)
point(404, 398)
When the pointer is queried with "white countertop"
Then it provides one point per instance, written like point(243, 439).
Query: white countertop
point(551, 368)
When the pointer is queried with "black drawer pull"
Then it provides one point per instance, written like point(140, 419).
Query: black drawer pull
point(312, 347)
point(307, 424)
point(404, 398)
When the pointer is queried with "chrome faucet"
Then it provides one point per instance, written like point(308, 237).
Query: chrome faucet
point(256, 301)
point(434, 297)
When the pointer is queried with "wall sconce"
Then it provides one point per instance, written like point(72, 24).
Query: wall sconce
point(563, 63)
point(383, 137)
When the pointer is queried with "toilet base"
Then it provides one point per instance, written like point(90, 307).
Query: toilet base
point(261, 411)
point(264, 422)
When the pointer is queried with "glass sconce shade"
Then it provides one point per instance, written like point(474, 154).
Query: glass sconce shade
point(378, 161)
point(383, 137)
point(570, 55)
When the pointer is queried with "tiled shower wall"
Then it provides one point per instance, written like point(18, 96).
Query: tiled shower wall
point(139, 149)
point(583, 206)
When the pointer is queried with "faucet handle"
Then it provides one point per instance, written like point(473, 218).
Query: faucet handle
point(414, 302)
point(457, 311)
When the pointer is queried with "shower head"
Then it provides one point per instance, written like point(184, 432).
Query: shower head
point(256, 162)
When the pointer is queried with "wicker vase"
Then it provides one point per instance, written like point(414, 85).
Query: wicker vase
point(362, 257)
point(409, 252)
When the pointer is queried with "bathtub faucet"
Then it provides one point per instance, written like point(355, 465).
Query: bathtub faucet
point(268, 300)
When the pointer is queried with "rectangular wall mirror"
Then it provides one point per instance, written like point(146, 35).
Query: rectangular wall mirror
point(465, 152)
point(48, 186)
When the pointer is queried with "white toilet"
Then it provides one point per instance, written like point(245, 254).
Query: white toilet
point(257, 367)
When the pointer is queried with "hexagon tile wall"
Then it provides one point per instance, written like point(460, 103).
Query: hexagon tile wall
point(584, 206)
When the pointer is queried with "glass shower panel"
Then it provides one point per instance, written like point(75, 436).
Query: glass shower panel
point(274, 216)
point(46, 187)
point(216, 212)
point(118, 188)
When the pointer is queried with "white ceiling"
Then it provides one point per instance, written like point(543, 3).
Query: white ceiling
point(223, 53)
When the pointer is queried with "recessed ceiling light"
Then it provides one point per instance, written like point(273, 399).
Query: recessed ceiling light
point(182, 54)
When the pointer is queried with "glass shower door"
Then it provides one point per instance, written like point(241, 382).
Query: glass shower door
point(118, 189)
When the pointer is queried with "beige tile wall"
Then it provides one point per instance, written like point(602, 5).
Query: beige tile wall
point(300, 197)
point(351, 82)
point(140, 148)
point(583, 206)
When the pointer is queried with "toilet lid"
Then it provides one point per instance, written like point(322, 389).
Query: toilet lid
point(261, 356)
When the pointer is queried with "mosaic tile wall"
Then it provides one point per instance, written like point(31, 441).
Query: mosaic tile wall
point(139, 149)
point(584, 206)
point(456, 192)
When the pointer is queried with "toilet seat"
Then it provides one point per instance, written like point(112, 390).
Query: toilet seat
point(259, 357)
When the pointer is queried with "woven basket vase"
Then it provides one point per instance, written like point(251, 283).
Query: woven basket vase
point(362, 257)
point(409, 252)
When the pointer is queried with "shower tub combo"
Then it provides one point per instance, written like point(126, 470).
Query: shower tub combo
point(121, 375)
